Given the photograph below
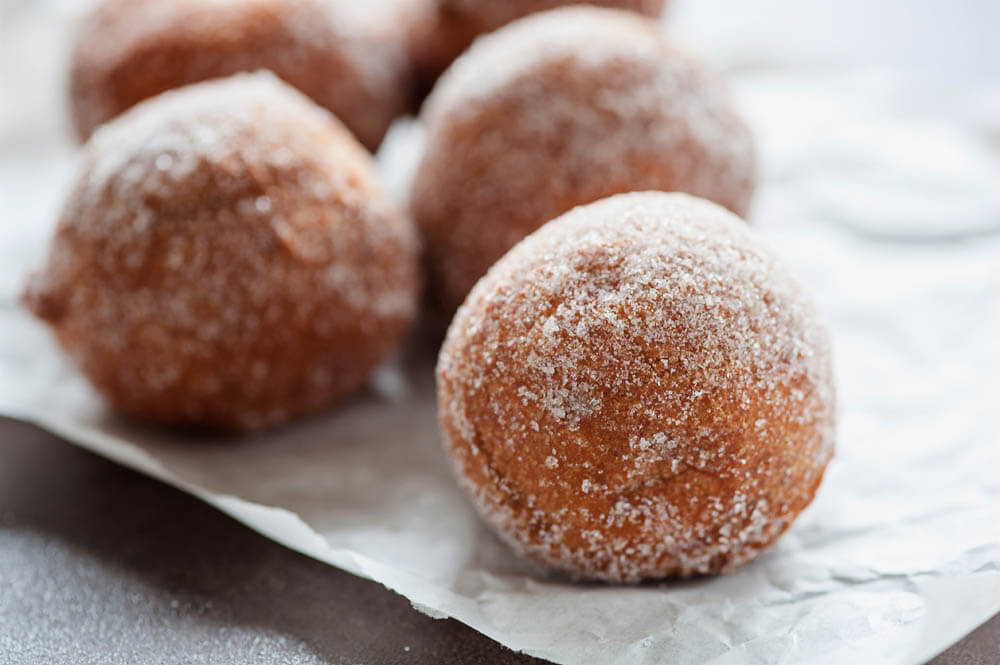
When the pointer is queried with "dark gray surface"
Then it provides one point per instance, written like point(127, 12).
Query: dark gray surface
point(981, 647)
point(99, 564)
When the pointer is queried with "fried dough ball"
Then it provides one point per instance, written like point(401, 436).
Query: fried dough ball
point(348, 57)
point(227, 259)
point(639, 389)
point(560, 109)
point(450, 26)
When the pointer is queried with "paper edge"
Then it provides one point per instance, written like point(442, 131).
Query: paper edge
point(286, 528)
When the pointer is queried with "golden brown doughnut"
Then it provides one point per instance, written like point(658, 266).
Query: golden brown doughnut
point(638, 389)
point(226, 258)
point(348, 57)
point(450, 26)
point(559, 109)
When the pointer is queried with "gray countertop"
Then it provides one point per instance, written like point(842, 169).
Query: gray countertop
point(99, 564)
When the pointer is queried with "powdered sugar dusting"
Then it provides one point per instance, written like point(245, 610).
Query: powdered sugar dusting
point(561, 109)
point(227, 257)
point(638, 389)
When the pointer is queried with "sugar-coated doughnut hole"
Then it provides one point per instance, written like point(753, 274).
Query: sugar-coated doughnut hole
point(350, 57)
point(226, 258)
point(559, 109)
point(639, 389)
point(448, 27)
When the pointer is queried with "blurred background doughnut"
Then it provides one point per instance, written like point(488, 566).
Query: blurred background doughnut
point(450, 26)
point(349, 57)
point(559, 109)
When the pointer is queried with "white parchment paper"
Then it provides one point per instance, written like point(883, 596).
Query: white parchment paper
point(881, 190)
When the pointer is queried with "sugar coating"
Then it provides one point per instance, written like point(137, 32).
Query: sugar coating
point(638, 389)
point(590, 35)
point(347, 56)
point(226, 257)
point(560, 109)
point(445, 28)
